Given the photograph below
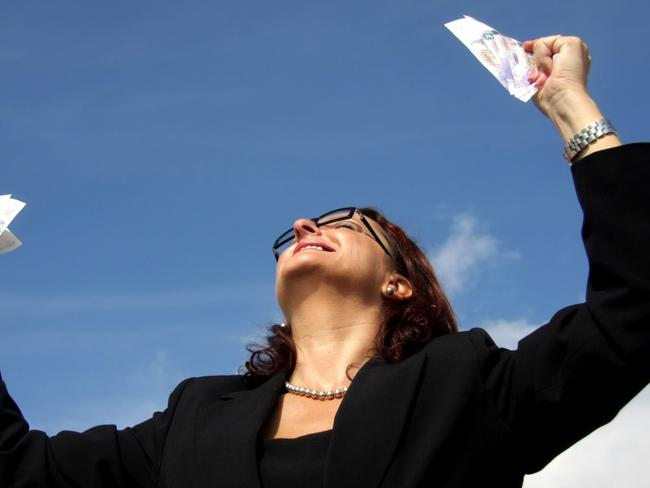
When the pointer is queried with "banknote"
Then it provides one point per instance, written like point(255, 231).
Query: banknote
point(9, 208)
point(503, 56)
point(9, 242)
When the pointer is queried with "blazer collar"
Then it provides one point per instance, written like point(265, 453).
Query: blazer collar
point(367, 428)
point(370, 421)
point(227, 434)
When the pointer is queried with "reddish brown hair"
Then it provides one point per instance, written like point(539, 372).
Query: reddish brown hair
point(408, 324)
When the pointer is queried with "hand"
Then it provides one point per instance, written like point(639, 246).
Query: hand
point(560, 71)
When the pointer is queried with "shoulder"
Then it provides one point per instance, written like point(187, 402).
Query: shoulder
point(223, 383)
point(465, 343)
point(462, 354)
point(207, 388)
point(466, 356)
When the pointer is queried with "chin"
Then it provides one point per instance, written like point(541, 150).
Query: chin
point(298, 267)
point(300, 272)
point(306, 260)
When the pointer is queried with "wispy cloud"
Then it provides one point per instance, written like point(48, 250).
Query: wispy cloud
point(460, 259)
point(73, 302)
point(157, 371)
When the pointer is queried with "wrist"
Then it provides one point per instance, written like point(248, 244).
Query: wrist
point(572, 112)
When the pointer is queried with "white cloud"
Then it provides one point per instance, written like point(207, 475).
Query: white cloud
point(614, 455)
point(461, 257)
point(157, 370)
point(507, 333)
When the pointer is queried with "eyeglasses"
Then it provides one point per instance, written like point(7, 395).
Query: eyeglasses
point(341, 217)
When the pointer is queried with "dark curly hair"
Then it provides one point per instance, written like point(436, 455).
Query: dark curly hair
point(408, 324)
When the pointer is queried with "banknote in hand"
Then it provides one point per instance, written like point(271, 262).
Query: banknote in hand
point(9, 208)
point(503, 56)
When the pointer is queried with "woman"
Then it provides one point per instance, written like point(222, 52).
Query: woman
point(426, 406)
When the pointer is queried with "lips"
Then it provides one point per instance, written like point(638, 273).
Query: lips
point(316, 245)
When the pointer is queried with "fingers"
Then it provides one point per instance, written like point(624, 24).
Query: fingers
point(542, 50)
point(551, 45)
point(538, 78)
point(550, 51)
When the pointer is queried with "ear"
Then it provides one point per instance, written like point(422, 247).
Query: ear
point(397, 287)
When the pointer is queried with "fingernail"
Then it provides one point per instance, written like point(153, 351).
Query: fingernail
point(534, 72)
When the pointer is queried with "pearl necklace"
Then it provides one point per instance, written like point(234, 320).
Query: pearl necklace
point(315, 394)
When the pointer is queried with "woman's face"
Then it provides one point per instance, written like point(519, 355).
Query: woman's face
point(343, 254)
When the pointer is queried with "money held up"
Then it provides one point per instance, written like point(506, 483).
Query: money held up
point(503, 56)
point(9, 208)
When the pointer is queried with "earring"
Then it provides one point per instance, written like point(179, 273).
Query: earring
point(282, 324)
point(390, 290)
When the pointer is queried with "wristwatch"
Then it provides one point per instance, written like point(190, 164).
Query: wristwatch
point(586, 136)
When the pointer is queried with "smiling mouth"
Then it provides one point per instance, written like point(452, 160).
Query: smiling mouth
point(313, 247)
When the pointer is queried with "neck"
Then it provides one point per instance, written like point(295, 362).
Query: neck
point(334, 336)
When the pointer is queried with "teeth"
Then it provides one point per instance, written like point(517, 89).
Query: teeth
point(314, 247)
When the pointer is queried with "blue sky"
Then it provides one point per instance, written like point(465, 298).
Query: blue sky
point(161, 148)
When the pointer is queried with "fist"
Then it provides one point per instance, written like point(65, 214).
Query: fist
point(561, 67)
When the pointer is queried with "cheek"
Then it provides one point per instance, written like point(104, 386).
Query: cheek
point(370, 264)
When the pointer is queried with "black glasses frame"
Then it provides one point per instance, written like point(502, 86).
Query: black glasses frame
point(289, 234)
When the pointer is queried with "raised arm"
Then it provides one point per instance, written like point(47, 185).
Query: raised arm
point(573, 374)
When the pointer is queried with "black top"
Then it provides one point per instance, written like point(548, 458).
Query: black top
point(299, 462)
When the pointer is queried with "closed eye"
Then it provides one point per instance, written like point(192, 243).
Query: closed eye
point(347, 225)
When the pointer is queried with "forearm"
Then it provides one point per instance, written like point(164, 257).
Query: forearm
point(612, 189)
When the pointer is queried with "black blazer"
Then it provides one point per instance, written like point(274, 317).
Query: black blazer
point(460, 413)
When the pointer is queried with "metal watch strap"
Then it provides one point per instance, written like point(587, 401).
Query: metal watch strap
point(586, 136)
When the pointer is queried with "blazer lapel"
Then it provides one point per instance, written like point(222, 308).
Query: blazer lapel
point(369, 422)
point(227, 435)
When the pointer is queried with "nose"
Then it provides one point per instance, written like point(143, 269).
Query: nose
point(305, 227)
